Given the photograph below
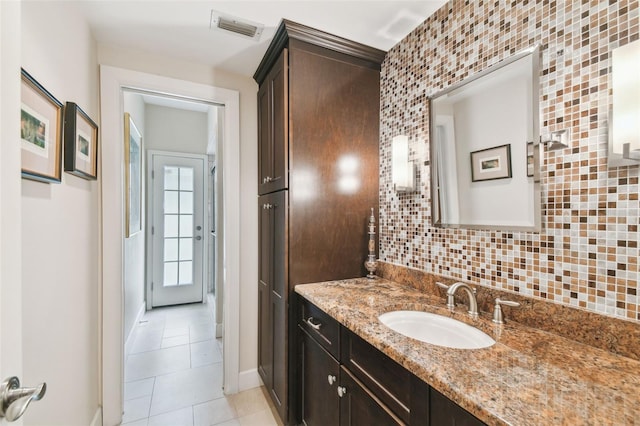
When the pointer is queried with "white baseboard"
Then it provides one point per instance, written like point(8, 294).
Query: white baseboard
point(97, 418)
point(132, 333)
point(249, 379)
point(219, 330)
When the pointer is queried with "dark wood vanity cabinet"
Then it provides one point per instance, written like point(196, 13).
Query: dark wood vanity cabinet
point(346, 381)
point(330, 393)
point(318, 131)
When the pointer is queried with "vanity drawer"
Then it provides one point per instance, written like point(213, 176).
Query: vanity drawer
point(385, 378)
point(324, 329)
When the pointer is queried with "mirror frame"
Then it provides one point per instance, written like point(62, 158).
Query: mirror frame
point(536, 227)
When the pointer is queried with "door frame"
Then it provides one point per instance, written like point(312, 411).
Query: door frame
point(149, 221)
point(113, 81)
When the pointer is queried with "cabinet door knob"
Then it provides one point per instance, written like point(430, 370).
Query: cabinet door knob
point(267, 206)
point(331, 379)
point(342, 391)
point(266, 179)
point(312, 324)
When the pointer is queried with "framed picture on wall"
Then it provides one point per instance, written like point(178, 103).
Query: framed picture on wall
point(491, 163)
point(132, 176)
point(80, 143)
point(41, 123)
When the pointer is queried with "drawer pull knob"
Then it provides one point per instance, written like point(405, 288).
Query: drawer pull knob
point(342, 391)
point(331, 379)
point(314, 326)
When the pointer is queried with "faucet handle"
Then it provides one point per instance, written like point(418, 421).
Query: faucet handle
point(442, 285)
point(498, 317)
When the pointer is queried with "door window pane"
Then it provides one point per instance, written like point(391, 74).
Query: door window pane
point(186, 225)
point(186, 179)
point(171, 225)
point(186, 249)
point(171, 202)
point(186, 273)
point(186, 202)
point(170, 249)
point(171, 177)
point(170, 274)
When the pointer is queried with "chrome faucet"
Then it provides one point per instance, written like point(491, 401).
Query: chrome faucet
point(471, 292)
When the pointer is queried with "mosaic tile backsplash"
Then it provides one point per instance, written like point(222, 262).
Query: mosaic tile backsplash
point(587, 254)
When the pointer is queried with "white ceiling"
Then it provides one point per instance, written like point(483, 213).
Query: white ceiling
point(180, 28)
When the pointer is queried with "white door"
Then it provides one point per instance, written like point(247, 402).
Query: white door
point(178, 222)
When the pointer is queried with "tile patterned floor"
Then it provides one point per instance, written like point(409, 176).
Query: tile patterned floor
point(173, 375)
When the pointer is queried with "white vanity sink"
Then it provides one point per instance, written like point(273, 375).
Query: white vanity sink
point(436, 329)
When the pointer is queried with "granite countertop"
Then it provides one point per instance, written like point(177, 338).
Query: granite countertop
point(529, 377)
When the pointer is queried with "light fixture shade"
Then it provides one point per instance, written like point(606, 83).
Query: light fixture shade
point(402, 171)
point(626, 100)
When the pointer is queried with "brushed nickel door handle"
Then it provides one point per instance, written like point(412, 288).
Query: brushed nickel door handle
point(14, 400)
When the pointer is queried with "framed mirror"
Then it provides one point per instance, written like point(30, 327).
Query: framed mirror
point(485, 150)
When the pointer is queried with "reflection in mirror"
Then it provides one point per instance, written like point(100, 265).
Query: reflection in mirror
point(484, 140)
point(624, 116)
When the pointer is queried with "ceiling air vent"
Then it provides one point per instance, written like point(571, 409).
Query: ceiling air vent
point(238, 26)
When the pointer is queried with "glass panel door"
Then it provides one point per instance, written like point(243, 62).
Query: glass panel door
point(178, 222)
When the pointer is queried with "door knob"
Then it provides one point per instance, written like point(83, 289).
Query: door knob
point(198, 228)
point(198, 238)
point(14, 400)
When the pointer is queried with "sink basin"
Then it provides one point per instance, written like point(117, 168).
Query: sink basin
point(436, 329)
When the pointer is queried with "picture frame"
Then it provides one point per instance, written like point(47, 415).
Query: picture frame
point(80, 143)
point(132, 176)
point(41, 124)
point(491, 163)
point(529, 159)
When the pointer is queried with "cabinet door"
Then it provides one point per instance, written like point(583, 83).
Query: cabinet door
point(265, 284)
point(273, 297)
point(320, 373)
point(273, 128)
point(358, 406)
point(385, 378)
point(280, 299)
point(444, 412)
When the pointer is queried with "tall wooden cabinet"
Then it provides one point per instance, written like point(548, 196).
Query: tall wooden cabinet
point(318, 151)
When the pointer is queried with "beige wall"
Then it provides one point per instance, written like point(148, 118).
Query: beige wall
point(204, 74)
point(177, 130)
point(60, 233)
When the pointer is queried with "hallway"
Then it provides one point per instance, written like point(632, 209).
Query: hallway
point(173, 375)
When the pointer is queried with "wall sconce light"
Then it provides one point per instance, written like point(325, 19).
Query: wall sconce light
point(403, 173)
point(556, 140)
point(624, 118)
